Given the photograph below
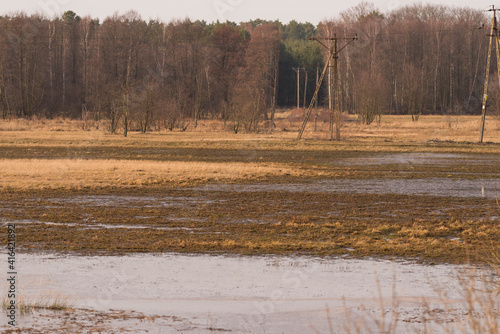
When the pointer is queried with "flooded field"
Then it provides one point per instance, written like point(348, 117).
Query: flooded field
point(348, 241)
point(431, 206)
point(161, 293)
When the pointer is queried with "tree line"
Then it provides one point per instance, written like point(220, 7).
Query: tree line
point(150, 74)
point(414, 60)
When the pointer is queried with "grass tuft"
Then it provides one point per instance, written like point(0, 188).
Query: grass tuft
point(26, 306)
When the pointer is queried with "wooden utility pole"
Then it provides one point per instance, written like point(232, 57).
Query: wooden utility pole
point(336, 92)
point(275, 88)
point(331, 90)
point(305, 88)
point(493, 33)
point(298, 85)
point(317, 81)
point(316, 102)
point(333, 85)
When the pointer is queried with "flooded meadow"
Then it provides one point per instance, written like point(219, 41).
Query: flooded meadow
point(364, 241)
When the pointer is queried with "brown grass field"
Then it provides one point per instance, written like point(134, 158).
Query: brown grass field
point(52, 171)
point(58, 154)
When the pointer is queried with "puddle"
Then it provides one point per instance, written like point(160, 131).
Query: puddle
point(131, 201)
point(36, 222)
point(135, 227)
point(439, 159)
point(488, 188)
point(90, 226)
point(248, 221)
point(193, 294)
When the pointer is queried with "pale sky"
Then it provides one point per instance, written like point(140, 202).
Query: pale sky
point(211, 10)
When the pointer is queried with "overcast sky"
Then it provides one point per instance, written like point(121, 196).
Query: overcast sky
point(211, 10)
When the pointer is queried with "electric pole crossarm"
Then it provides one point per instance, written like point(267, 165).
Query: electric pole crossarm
point(319, 39)
point(315, 97)
point(332, 38)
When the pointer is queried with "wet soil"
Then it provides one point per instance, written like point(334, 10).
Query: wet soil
point(437, 204)
point(317, 218)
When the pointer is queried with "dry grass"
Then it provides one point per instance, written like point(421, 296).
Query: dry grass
point(37, 124)
point(402, 128)
point(394, 128)
point(467, 303)
point(440, 128)
point(26, 305)
point(475, 310)
point(25, 174)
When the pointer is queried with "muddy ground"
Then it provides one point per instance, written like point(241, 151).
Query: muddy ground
point(437, 206)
